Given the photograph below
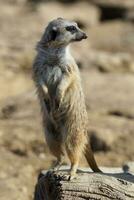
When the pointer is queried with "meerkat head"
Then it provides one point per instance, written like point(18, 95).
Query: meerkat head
point(61, 32)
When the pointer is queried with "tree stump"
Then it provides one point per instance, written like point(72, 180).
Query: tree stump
point(113, 184)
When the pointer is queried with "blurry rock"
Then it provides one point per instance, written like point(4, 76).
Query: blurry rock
point(62, 1)
point(109, 96)
point(113, 37)
point(130, 15)
point(28, 170)
point(111, 62)
point(109, 92)
point(109, 99)
point(115, 3)
point(38, 148)
point(84, 13)
point(25, 61)
point(112, 9)
point(16, 1)
point(18, 148)
point(101, 139)
point(103, 61)
point(106, 51)
point(121, 113)
point(7, 110)
point(1, 133)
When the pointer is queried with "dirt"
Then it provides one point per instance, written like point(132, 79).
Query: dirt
point(107, 65)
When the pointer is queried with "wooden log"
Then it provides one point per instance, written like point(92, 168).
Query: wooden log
point(88, 185)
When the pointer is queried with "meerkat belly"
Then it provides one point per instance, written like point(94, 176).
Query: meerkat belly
point(72, 111)
point(53, 77)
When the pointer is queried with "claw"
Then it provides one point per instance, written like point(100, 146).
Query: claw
point(65, 177)
point(72, 177)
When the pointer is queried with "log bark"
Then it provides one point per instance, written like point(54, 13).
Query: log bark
point(116, 185)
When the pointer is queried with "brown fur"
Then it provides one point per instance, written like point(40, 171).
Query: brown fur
point(63, 105)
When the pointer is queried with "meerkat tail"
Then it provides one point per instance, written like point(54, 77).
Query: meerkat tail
point(90, 159)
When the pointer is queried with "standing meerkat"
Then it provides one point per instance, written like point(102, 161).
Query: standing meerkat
point(61, 97)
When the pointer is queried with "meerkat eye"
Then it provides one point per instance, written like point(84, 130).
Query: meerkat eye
point(71, 29)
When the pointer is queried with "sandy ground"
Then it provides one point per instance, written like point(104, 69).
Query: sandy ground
point(107, 67)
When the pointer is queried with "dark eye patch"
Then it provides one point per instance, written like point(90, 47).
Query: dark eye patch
point(71, 29)
point(53, 34)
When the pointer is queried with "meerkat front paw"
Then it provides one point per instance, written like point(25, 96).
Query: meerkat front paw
point(44, 87)
point(59, 97)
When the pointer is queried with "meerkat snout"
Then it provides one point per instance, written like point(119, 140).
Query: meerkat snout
point(80, 36)
point(61, 32)
point(85, 36)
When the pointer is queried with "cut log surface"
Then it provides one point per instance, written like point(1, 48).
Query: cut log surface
point(114, 183)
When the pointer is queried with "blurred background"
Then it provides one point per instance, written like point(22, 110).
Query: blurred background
point(106, 63)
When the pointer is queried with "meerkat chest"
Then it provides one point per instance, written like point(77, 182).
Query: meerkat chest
point(53, 75)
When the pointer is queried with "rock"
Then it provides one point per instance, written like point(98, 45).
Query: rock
point(101, 139)
point(114, 3)
point(102, 37)
point(109, 96)
point(84, 13)
point(109, 92)
point(113, 9)
point(111, 62)
point(7, 111)
point(105, 51)
point(18, 148)
point(130, 15)
point(109, 99)
point(87, 185)
point(19, 2)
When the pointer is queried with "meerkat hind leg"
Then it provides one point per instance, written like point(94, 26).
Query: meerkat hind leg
point(74, 158)
point(73, 171)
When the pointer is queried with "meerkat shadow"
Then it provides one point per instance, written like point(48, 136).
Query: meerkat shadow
point(122, 176)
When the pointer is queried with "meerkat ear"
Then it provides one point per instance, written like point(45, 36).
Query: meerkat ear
point(53, 33)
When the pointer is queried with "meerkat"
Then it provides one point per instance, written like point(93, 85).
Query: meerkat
point(61, 97)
